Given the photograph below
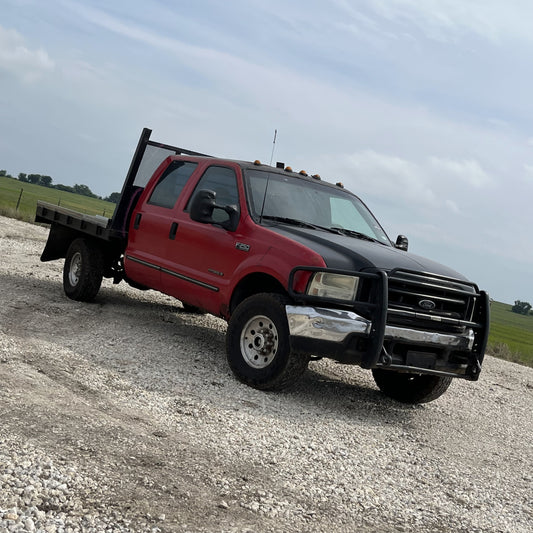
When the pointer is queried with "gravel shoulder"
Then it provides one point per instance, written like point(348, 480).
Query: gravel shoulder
point(122, 415)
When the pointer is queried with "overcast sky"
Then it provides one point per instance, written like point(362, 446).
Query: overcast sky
point(422, 108)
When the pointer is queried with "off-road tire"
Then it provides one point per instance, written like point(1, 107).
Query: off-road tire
point(83, 270)
point(410, 388)
point(258, 344)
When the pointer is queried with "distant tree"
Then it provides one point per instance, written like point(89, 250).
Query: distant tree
point(522, 308)
point(61, 187)
point(23, 177)
point(45, 181)
point(84, 190)
point(34, 178)
point(113, 197)
point(3, 172)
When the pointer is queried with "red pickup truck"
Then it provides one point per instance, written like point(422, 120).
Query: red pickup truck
point(300, 269)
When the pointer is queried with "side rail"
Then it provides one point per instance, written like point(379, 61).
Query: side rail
point(94, 225)
point(67, 224)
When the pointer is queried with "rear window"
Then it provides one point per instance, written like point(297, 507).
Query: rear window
point(171, 183)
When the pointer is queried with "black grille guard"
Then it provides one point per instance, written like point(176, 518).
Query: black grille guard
point(376, 309)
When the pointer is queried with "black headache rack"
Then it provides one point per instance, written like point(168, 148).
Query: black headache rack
point(414, 319)
point(66, 224)
point(147, 157)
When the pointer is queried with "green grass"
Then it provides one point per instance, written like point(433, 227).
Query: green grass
point(511, 334)
point(10, 191)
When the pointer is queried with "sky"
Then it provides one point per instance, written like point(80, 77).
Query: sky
point(423, 109)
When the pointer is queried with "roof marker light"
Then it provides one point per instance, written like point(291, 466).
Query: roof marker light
point(303, 173)
point(288, 169)
point(257, 162)
point(316, 176)
point(339, 184)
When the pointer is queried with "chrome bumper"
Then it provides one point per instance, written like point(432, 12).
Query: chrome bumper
point(335, 325)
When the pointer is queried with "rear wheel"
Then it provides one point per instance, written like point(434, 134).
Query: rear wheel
point(410, 388)
point(83, 270)
point(258, 344)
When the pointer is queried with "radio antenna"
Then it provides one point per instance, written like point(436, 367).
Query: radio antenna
point(273, 146)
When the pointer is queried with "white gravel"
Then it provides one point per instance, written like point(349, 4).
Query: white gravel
point(122, 415)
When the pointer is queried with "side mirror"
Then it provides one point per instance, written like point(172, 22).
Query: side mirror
point(402, 243)
point(203, 205)
point(233, 221)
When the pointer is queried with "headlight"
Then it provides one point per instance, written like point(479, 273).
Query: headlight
point(338, 286)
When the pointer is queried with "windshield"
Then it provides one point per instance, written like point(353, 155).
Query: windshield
point(274, 197)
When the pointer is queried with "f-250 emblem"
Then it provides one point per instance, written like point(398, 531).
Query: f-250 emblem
point(428, 305)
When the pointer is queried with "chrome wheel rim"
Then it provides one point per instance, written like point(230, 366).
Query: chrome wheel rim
point(74, 272)
point(259, 341)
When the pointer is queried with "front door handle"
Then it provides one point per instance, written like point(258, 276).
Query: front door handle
point(173, 230)
point(137, 221)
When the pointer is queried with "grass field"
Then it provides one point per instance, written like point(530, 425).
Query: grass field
point(511, 335)
point(10, 191)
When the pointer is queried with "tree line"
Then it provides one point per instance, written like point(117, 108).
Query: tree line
point(522, 308)
point(47, 181)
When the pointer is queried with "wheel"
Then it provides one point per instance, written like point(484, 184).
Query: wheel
point(83, 270)
point(410, 388)
point(258, 345)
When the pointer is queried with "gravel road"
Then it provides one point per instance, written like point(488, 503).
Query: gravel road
point(122, 415)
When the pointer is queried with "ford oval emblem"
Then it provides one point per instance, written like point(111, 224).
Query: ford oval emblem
point(428, 305)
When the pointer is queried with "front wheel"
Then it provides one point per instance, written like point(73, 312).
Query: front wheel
point(83, 271)
point(258, 345)
point(410, 388)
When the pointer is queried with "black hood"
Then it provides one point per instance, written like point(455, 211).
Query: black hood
point(349, 253)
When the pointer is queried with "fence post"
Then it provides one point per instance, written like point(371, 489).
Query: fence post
point(18, 201)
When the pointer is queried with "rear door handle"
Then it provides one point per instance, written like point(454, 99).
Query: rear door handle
point(173, 230)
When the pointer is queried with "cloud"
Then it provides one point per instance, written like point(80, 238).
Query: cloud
point(454, 20)
point(392, 176)
point(431, 182)
point(17, 58)
point(469, 171)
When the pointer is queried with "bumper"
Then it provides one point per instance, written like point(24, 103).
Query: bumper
point(335, 332)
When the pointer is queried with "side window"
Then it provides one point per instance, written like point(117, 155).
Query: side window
point(223, 181)
point(171, 183)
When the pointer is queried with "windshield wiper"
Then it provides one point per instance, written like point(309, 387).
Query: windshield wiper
point(357, 235)
point(334, 229)
point(300, 223)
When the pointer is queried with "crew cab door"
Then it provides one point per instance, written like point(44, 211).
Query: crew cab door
point(203, 257)
point(153, 226)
